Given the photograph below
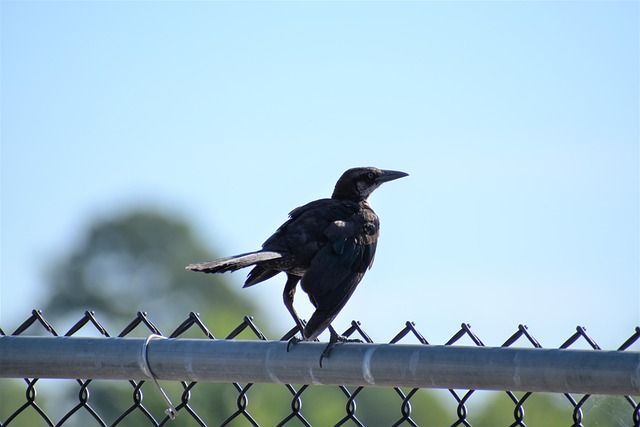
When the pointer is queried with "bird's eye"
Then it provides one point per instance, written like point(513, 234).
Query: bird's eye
point(370, 175)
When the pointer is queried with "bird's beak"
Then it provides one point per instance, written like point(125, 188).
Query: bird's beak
point(387, 176)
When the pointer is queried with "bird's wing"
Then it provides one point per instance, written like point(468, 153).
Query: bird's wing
point(303, 234)
point(334, 274)
point(347, 254)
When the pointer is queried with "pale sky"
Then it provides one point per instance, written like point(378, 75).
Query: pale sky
point(518, 123)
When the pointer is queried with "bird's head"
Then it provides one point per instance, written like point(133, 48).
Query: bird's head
point(358, 183)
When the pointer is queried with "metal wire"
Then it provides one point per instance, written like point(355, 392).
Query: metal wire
point(86, 407)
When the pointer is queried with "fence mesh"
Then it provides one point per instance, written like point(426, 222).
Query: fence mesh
point(115, 403)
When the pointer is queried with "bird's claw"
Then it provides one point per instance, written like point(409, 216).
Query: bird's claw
point(334, 341)
point(293, 341)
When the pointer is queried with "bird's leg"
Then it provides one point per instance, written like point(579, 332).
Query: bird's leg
point(287, 296)
point(334, 340)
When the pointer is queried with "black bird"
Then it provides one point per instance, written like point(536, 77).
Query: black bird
point(327, 245)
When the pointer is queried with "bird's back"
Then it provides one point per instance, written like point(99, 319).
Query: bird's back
point(316, 225)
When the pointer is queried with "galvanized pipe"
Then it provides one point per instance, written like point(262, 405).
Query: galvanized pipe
point(455, 367)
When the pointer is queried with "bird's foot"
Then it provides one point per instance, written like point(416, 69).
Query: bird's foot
point(333, 342)
point(293, 341)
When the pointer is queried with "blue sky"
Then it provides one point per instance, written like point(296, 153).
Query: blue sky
point(517, 121)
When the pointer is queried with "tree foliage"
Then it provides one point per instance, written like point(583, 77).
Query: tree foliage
point(136, 262)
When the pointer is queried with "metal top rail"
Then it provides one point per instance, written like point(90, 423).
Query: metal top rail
point(256, 361)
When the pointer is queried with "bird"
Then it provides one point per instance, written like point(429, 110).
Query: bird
point(326, 245)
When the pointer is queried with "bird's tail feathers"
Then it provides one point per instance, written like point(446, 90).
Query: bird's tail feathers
point(234, 263)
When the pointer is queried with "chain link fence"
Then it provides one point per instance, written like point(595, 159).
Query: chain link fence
point(137, 402)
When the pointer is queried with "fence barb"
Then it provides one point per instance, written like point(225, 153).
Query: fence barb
point(358, 364)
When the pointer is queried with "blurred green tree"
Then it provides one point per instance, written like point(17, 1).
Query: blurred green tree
point(136, 261)
point(14, 407)
point(540, 409)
